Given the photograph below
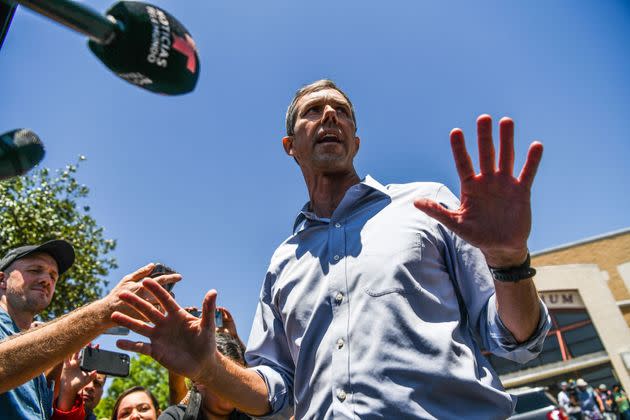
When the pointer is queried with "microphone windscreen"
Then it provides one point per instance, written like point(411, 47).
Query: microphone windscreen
point(20, 151)
point(152, 49)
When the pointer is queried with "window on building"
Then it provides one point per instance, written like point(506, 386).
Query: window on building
point(572, 335)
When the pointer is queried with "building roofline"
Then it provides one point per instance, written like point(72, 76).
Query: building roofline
point(581, 242)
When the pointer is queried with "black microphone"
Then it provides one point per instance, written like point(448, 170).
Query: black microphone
point(20, 150)
point(141, 43)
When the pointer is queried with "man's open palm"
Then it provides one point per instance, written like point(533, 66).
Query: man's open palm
point(495, 210)
point(180, 342)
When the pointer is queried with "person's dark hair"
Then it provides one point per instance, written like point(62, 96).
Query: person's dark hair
point(316, 86)
point(131, 390)
point(230, 347)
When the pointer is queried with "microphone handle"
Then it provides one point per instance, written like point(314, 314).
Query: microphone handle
point(77, 17)
point(6, 14)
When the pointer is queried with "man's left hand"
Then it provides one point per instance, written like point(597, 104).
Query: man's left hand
point(495, 210)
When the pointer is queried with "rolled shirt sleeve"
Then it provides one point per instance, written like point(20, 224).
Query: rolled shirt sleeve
point(501, 342)
point(268, 352)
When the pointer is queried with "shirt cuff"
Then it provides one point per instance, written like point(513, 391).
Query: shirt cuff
point(276, 390)
point(502, 343)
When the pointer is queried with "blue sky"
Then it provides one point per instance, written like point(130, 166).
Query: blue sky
point(201, 182)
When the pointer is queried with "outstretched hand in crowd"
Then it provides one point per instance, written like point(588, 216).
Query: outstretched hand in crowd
point(179, 341)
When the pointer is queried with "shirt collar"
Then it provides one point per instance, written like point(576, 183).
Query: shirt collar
point(354, 193)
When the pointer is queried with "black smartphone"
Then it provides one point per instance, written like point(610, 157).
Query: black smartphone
point(161, 269)
point(103, 361)
point(117, 330)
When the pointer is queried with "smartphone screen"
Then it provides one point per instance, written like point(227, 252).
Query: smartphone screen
point(218, 318)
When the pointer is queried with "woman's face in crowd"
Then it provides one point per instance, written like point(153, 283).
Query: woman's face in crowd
point(137, 405)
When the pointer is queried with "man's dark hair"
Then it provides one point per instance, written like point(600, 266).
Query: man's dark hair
point(316, 86)
point(230, 347)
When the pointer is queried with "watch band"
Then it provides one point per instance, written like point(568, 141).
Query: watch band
point(514, 274)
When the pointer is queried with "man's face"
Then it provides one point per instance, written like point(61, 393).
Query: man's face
point(324, 138)
point(92, 392)
point(29, 283)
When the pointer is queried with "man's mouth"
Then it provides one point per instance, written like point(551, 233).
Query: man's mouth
point(328, 138)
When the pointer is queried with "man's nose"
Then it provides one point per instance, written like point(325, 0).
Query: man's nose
point(46, 279)
point(329, 113)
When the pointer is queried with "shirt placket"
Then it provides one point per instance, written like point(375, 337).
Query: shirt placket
point(338, 295)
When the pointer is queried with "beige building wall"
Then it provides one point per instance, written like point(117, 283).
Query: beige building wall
point(600, 303)
point(610, 252)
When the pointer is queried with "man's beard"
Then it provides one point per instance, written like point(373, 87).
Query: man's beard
point(28, 303)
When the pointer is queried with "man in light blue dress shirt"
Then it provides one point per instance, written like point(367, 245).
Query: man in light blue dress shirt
point(378, 304)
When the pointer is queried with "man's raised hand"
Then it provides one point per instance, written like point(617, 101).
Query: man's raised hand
point(179, 341)
point(495, 210)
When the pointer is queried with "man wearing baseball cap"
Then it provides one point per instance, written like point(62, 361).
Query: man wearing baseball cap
point(28, 276)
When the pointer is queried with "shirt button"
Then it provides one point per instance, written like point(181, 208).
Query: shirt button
point(340, 343)
point(336, 258)
point(337, 225)
point(341, 395)
point(339, 297)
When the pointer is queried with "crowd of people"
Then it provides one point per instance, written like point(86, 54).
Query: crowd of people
point(377, 305)
point(580, 401)
point(28, 276)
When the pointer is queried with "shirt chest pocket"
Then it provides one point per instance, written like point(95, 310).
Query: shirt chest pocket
point(386, 268)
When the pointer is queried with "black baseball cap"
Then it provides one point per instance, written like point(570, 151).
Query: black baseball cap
point(61, 251)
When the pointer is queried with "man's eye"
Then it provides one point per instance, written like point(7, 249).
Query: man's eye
point(313, 110)
point(342, 110)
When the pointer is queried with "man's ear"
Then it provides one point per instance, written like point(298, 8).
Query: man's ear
point(357, 142)
point(287, 143)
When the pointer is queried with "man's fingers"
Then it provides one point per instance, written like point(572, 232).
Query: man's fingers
point(207, 310)
point(133, 324)
point(147, 310)
point(165, 279)
point(137, 346)
point(161, 294)
point(534, 156)
point(484, 142)
point(438, 212)
point(140, 273)
point(460, 154)
point(506, 145)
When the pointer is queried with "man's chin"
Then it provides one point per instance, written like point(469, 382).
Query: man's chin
point(39, 304)
point(87, 401)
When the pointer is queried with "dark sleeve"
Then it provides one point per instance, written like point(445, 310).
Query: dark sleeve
point(174, 412)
